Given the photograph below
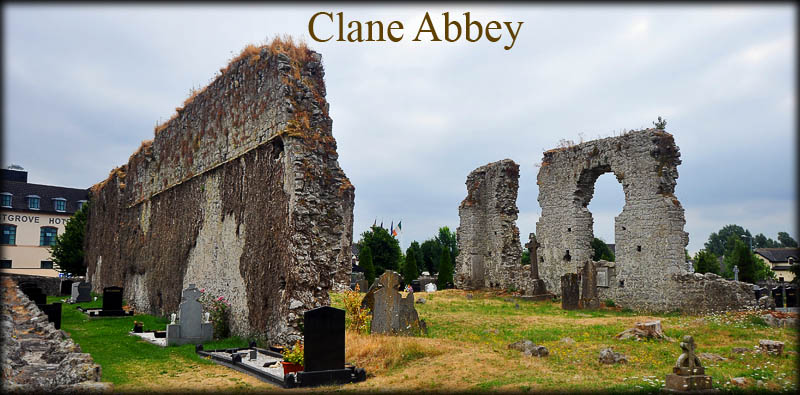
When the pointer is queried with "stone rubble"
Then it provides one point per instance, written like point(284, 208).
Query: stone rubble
point(528, 348)
point(609, 357)
point(37, 357)
point(772, 347)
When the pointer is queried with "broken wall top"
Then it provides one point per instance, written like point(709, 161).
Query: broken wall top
point(234, 114)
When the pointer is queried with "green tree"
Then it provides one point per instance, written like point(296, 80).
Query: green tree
point(410, 272)
point(751, 268)
point(385, 249)
point(718, 242)
point(431, 253)
point(365, 262)
point(445, 277)
point(795, 269)
point(415, 249)
point(601, 251)
point(706, 262)
point(761, 241)
point(526, 257)
point(68, 252)
point(786, 240)
point(448, 239)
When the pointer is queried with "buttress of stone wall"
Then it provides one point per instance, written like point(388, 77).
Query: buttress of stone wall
point(240, 193)
point(649, 234)
point(488, 237)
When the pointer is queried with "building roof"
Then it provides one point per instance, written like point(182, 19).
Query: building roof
point(776, 255)
point(46, 193)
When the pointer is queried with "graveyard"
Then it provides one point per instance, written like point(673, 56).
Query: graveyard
point(466, 348)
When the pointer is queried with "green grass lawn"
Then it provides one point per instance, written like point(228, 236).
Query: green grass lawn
point(122, 356)
point(487, 323)
point(466, 350)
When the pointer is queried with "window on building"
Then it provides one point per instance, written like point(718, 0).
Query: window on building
point(6, 199)
point(33, 202)
point(80, 203)
point(60, 204)
point(9, 236)
point(5, 264)
point(47, 264)
point(47, 236)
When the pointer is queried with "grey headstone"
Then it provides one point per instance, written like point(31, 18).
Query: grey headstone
point(190, 327)
point(191, 313)
point(392, 313)
point(589, 299)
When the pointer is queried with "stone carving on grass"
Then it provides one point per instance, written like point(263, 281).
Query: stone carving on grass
point(688, 375)
point(610, 357)
point(528, 348)
point(570, 291)
point(644, 330)
point(392, 313)
point(772, 347)
point(81, 293)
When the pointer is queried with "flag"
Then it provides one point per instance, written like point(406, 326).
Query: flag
point(391, 229)
point(399, 228)
point(381, 224)
point(375, 223)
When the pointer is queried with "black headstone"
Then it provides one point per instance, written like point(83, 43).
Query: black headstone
point(569, 291)
point(66, 287)
point(791, 297)
point(323, 329)
point(53, 312)
point(112, 298)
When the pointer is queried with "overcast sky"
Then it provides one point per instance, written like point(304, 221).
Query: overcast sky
point(84, 85)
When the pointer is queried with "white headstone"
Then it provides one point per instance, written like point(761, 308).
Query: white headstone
point(430, 287)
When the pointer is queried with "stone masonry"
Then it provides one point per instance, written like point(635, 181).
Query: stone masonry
point(240, 193)
point(649, 273)
point(36, 357)
point(488, 237)
point(649, 270)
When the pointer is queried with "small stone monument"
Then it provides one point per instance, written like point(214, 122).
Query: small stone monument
point(688, 374)
point(190, 328)
point(391, 313)
point(81, 292)
point(537, 284)
point(589, 298)
point(570, 291)
point(735, 273)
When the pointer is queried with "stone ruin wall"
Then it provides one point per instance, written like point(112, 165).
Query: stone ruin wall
point(649, 273)
point(240, 193)
point(488, 237)
point(650, 240)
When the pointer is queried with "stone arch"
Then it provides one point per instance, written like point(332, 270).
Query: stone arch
point(649, 231)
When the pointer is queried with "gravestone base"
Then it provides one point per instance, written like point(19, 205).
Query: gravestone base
point(350, 374)
point(693, 384)
point(174, 335)
point(99, 312)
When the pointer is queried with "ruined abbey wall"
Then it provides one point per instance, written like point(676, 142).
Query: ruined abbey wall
point(649, 270)
point(240, 193)
point(488, 237)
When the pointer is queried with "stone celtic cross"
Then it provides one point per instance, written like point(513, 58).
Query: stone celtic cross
point(688, 363)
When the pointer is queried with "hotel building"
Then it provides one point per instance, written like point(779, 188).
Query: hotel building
point(31, 215)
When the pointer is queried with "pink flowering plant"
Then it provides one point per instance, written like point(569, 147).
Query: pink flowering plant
point(219, 310)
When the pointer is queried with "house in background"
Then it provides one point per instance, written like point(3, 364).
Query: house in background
point(780, 260)
point(31, 215)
